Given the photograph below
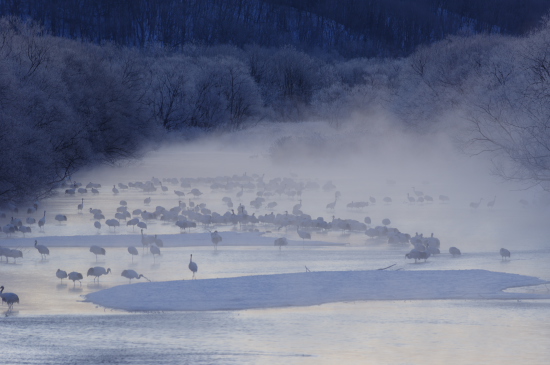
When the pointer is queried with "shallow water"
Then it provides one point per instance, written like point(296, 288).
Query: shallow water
point(52, 324)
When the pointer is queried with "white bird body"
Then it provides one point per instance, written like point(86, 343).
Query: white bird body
point(42, 221)
point(96, 250)
point(61, 274)
point(131, 274)
point(154, 250)
point(74, 276)
point(417, 255)
point(97, 272)
point(9, 298)
point(112, 223)
point(13, 253)
point(193, 266)
point(43, 250)
point(4, 252)
point(475, 205)
point(132, 251)
point(454, 251)
point(504, 253)
point(280, 242)
point(303, 234)
point(61, 218)
point(147, 240)
point(216, 238)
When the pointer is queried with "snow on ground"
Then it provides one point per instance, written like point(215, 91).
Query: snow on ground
point(313, 288)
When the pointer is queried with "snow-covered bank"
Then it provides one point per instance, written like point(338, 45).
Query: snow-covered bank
point(313, 288)
point(169, 240)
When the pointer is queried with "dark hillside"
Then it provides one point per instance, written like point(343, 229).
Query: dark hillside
point(353, 28)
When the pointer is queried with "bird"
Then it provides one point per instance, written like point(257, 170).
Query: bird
point(61, 274)
point(154, 250)
point(146, 240)
point(216, 238)
point(115, 190)
point(42, 221)
point(9, 298)
point(367, 220)
point(112, 223)
point(131, 274)
point(193, 266)
point(303, 234)
point(504, 253)
point(97, 225)
point(410, 198)
point(25, 229)
point(13, 253)
point(74, 276)
point(132, 222)
point(475, 205)
point(43, 250)
point(454, 251)
point(146, 201)
point(417, 255)
point(280, 242)
point(97, 272)
point(333, 204)
point(80, 206)
point(96, 250)
point(61, 218)
point(492, 202)
point(195, 192)
point(132, 251)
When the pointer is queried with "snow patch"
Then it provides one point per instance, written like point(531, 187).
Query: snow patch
point(313, 288)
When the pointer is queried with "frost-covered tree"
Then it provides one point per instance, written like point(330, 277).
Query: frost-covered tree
point(511, 120)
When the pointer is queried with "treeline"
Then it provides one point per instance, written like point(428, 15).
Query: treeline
point(351, 28)
point(65, 104)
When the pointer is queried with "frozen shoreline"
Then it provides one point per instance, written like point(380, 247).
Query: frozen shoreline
point(312, 288)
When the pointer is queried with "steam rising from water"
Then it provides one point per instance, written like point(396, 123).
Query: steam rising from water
point(367, 157)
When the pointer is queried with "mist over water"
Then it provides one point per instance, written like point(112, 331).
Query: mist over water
point(362, 162)
point(363, 158)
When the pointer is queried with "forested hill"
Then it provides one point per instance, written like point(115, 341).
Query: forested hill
point(353, 28)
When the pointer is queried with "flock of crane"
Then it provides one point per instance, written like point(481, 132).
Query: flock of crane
point(187, 215)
